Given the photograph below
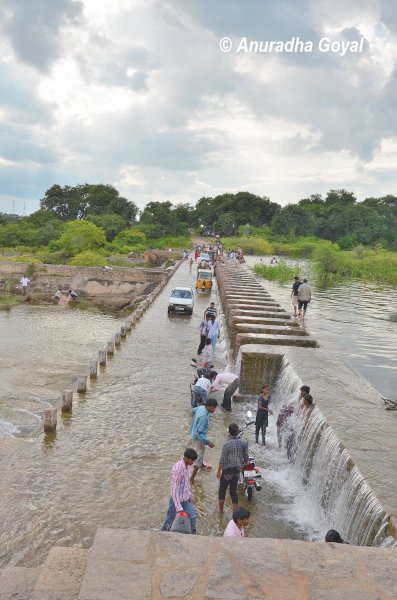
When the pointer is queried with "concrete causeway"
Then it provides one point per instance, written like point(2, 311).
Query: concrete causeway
point(127, 564)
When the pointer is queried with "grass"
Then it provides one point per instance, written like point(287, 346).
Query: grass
point(280, 272)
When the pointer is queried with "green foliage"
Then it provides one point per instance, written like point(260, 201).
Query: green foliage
point(164, 219)
point(71, 203)
point(279, 272)
point(80, 236)
point(181, 241)
point(88, 258)
point(112, 224)
point(227, 212)
point(328, 259)
point(252, 245)
point(31, 268)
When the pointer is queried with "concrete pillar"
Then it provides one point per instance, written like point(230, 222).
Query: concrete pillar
point(82, 384)
point(110, 348)
point(102, 357)
point(128, 325)
point(67, 400)
point(50, 420)
point(93, 368)
point(117, 339)
point(123, 331)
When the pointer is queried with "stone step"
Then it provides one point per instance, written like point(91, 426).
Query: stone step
point(276, 340)
point(125, 564)
point(18, 582)
point(62, 574)
point(250, 312)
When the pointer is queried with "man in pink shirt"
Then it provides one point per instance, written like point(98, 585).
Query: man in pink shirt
point(180, 497)
point(231, 380)
point(235, 527)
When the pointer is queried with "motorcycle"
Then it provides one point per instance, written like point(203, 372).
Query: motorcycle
point(249, 474)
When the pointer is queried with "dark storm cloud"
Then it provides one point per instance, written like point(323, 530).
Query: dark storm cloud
point(32, 28)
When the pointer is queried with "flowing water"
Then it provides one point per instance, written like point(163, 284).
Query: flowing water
point(354, 320)
point(109, 463)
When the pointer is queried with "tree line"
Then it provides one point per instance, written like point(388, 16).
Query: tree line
point(337, 217)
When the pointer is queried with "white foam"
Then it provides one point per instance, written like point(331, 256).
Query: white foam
point(7, 429)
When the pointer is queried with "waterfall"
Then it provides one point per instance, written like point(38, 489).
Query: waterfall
point(329, 476)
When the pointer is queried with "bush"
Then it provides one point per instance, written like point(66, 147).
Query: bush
point(88, 258)
point(279, 272)
point(251, 245)
point(328, 259)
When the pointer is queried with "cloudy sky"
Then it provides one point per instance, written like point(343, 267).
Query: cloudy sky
point(138, 94)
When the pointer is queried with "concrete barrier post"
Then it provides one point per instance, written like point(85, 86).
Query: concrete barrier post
point(117, 339)
point(123, 331)
point(128, 325)
point(50, 420)
point(102, 357)
point(110, 347)
point(67, 400)
point(82, 384)
point(93, 368)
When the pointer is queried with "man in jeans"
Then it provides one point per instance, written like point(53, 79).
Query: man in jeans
point(231, 380)
point(198, 432)
point(180, 498)
point(234, 456)
point(200, 390)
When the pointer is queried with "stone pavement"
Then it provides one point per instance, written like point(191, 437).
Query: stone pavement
point(126, 564)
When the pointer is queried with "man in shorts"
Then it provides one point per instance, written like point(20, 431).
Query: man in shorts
point(304, 297)
point(294, 294)
point(234, 456)
point(198, 432)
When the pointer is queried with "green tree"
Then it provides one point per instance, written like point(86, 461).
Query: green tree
point(295, 220)
point(71, 203)
point(80, 236)
point(112, 224)
point(164, 215)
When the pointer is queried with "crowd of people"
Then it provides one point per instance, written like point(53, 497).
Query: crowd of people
point(291, 421)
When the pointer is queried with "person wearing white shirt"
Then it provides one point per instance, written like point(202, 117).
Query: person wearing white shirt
point(24, 282)
point(200, 391)
point(231, 380)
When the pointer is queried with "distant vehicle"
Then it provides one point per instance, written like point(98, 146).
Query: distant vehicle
point(181, 300)
point(204, 280)
point(204, 256)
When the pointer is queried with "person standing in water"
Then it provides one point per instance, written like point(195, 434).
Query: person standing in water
point(262, 416)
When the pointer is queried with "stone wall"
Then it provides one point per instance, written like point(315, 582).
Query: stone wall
point(90, 280)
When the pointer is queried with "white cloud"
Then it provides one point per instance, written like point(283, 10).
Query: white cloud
point(138, 94)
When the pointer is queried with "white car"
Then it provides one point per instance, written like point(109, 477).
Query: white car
point(181, 300)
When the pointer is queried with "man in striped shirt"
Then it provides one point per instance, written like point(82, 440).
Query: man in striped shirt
point(180, 498)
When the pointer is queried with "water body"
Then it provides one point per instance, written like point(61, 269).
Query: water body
point(110, 461)
point(353, 320)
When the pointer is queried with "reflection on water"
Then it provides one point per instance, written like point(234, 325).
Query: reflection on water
point(353, 319)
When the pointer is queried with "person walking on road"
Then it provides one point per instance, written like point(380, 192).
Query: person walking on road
point(198, 432)
point(180, 497)
point(262, 416)
point(214, 330)
point(203, 328)
point(304, 297)
point(233, 457)
point(231, 380)
point(294, 294)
